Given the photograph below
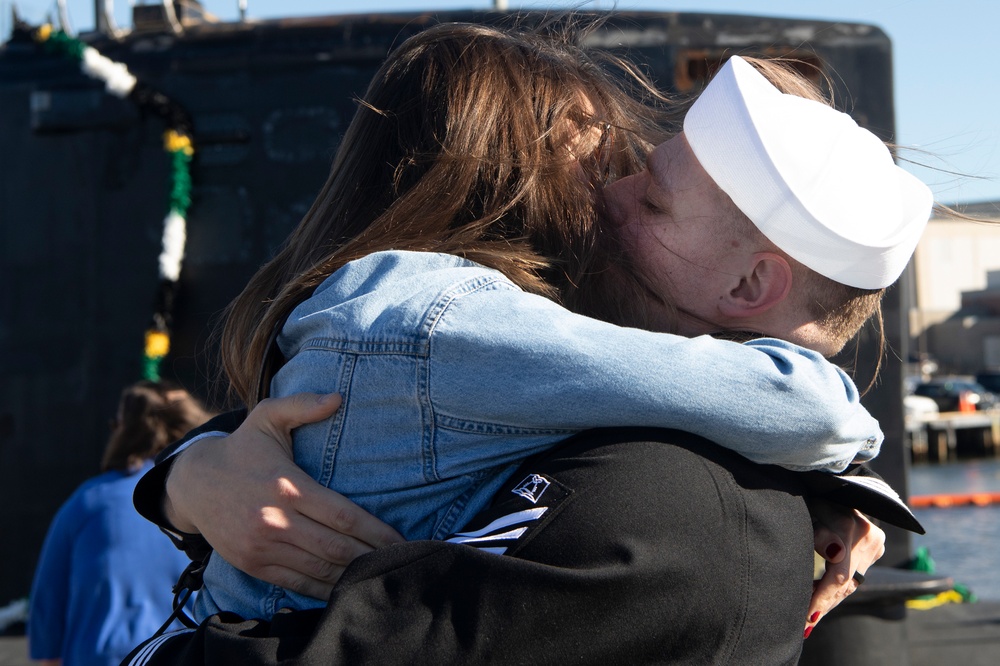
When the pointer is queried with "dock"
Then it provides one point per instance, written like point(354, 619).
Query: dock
point(952, 435)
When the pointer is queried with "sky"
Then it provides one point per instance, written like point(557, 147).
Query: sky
point(947, 97)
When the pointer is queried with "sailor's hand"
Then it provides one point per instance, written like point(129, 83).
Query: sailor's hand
point(261, 512)
point(849, 543)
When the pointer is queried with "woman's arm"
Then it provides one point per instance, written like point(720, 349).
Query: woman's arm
point(500, 362)
point(540, 366)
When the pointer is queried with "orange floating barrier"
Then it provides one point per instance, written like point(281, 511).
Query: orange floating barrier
point(947, 500)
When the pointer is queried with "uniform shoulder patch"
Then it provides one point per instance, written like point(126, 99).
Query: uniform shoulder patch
point(519, 509)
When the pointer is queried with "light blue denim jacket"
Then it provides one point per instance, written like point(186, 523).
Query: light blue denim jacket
point(451, 376)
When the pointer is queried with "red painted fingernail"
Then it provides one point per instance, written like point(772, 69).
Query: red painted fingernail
point(813, 617)
point(808, 631)
point(832, 550)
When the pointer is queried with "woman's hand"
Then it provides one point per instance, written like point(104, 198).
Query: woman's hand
point(848, 542)
point(261, 512)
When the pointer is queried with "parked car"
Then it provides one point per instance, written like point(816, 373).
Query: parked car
point(949, 392)
point(916, 406)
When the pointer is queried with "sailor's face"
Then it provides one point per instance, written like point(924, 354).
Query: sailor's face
point(674, 217)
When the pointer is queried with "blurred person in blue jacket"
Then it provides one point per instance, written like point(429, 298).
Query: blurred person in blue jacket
point(104, 579)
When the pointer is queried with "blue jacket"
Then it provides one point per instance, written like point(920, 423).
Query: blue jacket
point(451, 376)
point(104, 579)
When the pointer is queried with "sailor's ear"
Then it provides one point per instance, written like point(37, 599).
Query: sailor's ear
point(765, 283)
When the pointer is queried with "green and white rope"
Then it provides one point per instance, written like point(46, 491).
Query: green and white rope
point(118, 81)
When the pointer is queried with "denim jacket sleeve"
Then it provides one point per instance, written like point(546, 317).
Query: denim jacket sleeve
point(499, 355)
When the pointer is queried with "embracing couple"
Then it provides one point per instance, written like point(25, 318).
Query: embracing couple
point(571, 347)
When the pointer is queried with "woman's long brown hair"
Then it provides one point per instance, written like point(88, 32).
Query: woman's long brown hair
point(462, 145)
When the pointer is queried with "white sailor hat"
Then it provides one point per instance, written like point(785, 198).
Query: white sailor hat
point(821, 188)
